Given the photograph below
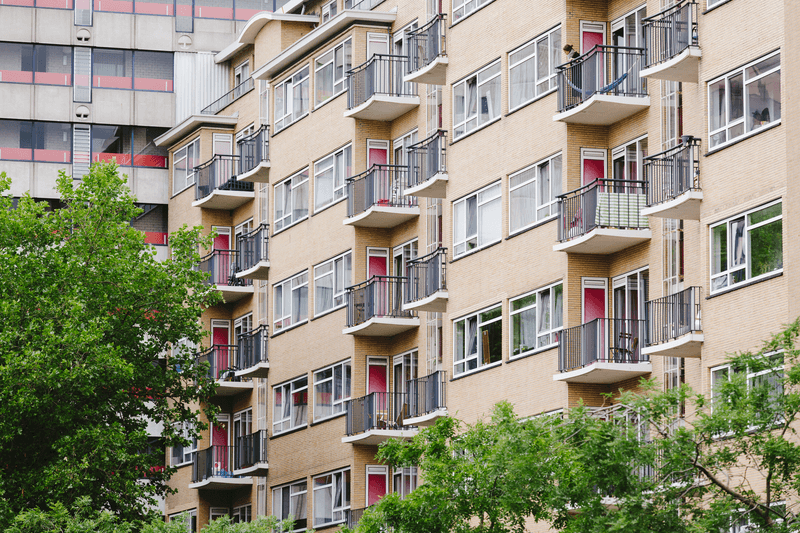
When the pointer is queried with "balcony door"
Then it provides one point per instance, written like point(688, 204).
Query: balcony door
point(592, 73)
point(378, 265)
point(221, 262)
point(629, 297)
point(223, 145)
point(400, 48)
point(377, 483)
point(593, 334)
point(220, 336)
point(378, 383)
point(404, 369)
point(401, 257)
point(220, 440)
point(377, 152)
point(241, 327)
point(593, 165)
point(242, 427)
point(592, 34)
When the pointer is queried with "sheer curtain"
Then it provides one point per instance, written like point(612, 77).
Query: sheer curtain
point(523, 199)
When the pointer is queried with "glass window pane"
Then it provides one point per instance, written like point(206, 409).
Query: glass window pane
point(153, 71)
point(111, 143)
point(16, 63)
point(736, 109)
point(53, 65)
point(716, 104)
point(719, 249)
point(53, 142)
point(16, 140)
point(145, 151)
point(763, 66)
point(764, 101)
point(766, 248)
point(112, 69)
point(765, 214)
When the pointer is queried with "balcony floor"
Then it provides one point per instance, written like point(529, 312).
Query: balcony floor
point(232, 388)
point(259, 370)
point(435, 73)
point(604, 110)
point(258, 469)
point(374, 437)
point(258, 271)
point(260, 174)
point(605, 373)
point(604, 241)
point(435, 303)
point(689, 345)
point(382, 327)
point(428, 419)
point(233, 293)
point(435, 187)
point(379, 216)
point(684, 207)
point(222, 483)
point(384, 108)
point(682, 67)
point(225, 200)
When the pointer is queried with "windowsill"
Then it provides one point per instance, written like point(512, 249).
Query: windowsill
point(551, 218)
point(537, 351)
point(712, 8)
point(288, 431)
point(753, 281)
point(474, 251)
point(526, 104)
point(289, 328)
point(121, 89)
point(328, 526)
point(743, 137)
point(326, 102)
point(182, 464)
point(476, 130)
point(327, 419)
point(290, 125)
point(490, 366)
point(329, 311)
point(293, 224)
point(468, 15)
point(328, 206)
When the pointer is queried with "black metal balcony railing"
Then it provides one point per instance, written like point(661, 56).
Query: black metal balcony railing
point(612, 70)
point(378, 297)
point(427, 43)
point(379, 410)
point(252, 348)
point(673, 316)
point(379, 75)
point(253, 247)
point(253, 149)
point(353, 517)
point(427, 275)
point(670, 32)
point(218, 173)
point(226, 99)
point(427, 394)
point(381, 185)
point(221, 359)
point(221, 266)
point(214, 461)
point(427, 158)
point(606, 203)
point(673, 172)
point(603, 340)
point(250, 450)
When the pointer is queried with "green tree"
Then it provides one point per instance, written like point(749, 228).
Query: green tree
point(88, 315)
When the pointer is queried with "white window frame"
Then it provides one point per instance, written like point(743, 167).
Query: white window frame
point(328, 11)
point(287, 115)
point(551, 204)
point(337, 477)
point(188, 452)
point(747, 267)
point(553, 38)
point(337, 406)
point(241, 72)
point(480, 365)
point(263, 102)
point(476, 118)
point(464, 8)
point(296, 489)
point(191, 522)
point(282, 319)
point(727, 369)
point(399, 477)
point(460, 206)
point(295, 186)
point(188, 179)
point(243, 513)
point(322, 62)
point(342, 279)
point(340, 164)
point(217, 512)
point(288, 389)
point(551, 332)
point(726, 124)
point(247, 130)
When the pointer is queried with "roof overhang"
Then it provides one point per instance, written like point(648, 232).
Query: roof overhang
point(253, 26)
point(190, 124)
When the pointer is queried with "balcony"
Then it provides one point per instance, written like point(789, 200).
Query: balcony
point(211, 470)
point(253, 254)
point(671, 50)
point(250, 455)
point(427, 401)
point(426, 289)
point(427, 53)
point(673, 182)
point(427, 171)
point(602, 217)
point(254, 162)
point(605, 350)
point(221, 268)
point(378, 417)
point(228, 98)
point(376, 90)
point(375, 198)
point(602, 87)
point(216, 186)
point(374, 308)
point(221, 359)
point(674, 325)
point(252, 360)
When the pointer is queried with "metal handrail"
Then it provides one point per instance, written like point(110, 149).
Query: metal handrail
point(427, 275)
point(381, 74)
point(427, 394)
point(378, 297)
point(673, 172)
point(673, 316)
point(214, 461)
point(378, 410)
point(427, 43)
point(221, 266)
point(602, 340)
point(252, 348)
point(221, 359)
point(670, 32)
point(253, 149)
point(228, 98)
point(427, 158)
point(611, 203)
point(250, 450)
point(218, 173)
point(253, 247)
point(381, 185)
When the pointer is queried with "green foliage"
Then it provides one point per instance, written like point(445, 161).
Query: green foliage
point(87, 313)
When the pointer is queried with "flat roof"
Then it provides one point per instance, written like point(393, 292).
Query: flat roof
point(190, 124)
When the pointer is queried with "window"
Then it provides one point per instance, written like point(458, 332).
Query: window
point(672, 238)
point(291, 200)
point(291, 99)
point(331, 278)
point(462, 8)
point(290, 409)
point(183, 163)
point(189, 517)
point(241, 73)
point(331, 498)
point(181, 454)
point(153, 71)
point(532, 68)
point(328, 11)
point(626, 161)
point(330, 174)
point(330, 71)
point(671, 113)
point(112, 69)
point(331, 389)
point(533, 192)
point(476, 220)
point(744, 100)
point(47, 142)
point(404, 480)
point(263, 102)
point(41, 64)
point(476, 100)
point(747, 246)
point(536, 318)
point(242, 514)
point(291, 302)
point(478, 340)
point(767, 380)
point(289, 501)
